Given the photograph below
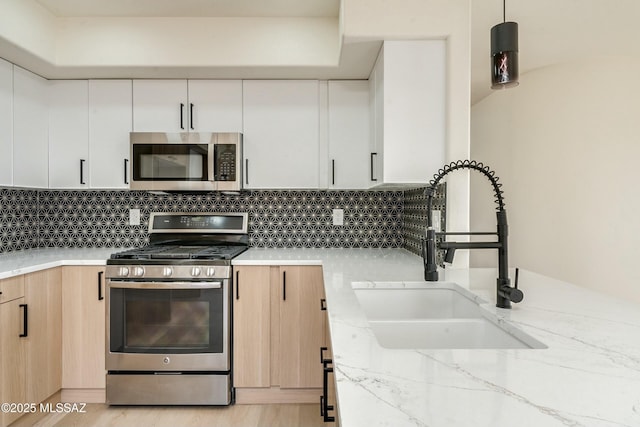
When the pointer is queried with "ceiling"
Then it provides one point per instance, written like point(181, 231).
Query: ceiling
point(192, 8)
point(551, 31)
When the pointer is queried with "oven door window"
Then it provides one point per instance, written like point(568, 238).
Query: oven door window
point(166, 321)
point(170, 162)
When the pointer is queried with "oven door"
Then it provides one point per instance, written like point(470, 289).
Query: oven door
point(168, 326)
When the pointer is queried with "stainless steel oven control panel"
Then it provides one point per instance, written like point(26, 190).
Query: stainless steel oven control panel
point(165, 272)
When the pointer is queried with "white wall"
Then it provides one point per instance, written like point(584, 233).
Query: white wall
point(565, 145)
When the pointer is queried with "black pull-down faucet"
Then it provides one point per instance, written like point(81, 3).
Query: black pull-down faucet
point(505, 294)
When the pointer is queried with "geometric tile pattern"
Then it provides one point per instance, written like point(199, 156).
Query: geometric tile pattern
point(415, 217)
point(277, 219)
point(18, 219)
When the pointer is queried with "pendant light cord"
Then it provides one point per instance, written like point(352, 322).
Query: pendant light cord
point(504, 10)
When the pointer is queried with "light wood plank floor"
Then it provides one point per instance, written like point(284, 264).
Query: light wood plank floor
point(289, 415)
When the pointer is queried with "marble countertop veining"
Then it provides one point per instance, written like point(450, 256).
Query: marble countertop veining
point(588, 376)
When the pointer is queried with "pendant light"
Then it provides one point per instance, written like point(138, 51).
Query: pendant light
point(504, 53)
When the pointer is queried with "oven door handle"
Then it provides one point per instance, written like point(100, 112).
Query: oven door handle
point(165, 285)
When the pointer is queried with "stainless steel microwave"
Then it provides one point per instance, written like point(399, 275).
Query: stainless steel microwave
point(186, 161)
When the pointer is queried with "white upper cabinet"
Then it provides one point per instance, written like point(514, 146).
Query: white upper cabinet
point(409, 111)
point(187, 106)
point(69, 134)
point(110, 121)
point(349, 135)
point(215, 105)
point(160, 106)
point(6, 123)
point(30, 130)
point(281, 139)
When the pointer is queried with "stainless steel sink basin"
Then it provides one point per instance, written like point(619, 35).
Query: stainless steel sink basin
point(435, 316)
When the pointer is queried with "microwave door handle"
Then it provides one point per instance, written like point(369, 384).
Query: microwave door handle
point(212, 161)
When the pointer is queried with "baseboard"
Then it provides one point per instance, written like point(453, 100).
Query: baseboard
point(83, 395)
point(248, 396)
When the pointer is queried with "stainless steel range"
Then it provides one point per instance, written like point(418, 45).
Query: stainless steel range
point(169, 312)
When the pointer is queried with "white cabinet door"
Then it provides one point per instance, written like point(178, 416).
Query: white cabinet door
point(69, 134)
point(215, 105)
point(349, 136)
point(6, 123)
point(160, 106)
point(281, 142)
point(410, 111)
point(30, 130)
point(110, 121)
point(376, 94)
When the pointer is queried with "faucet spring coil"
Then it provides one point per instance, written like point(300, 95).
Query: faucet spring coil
point(471, 165)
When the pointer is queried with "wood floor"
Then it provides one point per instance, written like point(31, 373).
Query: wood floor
point(289, 415)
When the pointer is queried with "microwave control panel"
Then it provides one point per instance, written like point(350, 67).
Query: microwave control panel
point(225, 162)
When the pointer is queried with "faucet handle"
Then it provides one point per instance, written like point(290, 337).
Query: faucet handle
point(515, 285)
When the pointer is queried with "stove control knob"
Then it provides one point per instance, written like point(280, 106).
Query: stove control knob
point(195, 271)
point(138, 272)
point(167, 271)
point(210, 271)
point(123, 271)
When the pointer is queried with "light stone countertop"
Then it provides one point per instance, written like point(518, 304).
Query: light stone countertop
point(588, 376)
point(32, 260)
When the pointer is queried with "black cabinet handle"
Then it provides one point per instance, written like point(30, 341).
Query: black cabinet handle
point(246, 171)
point(82, 171)
point(333, 172)
point(237, 285)
point(324, 399)
point(372, 177)
point(25, 320)
point(182, 116)
point(100, 297)
point(323, 304)
point(191, 116)
point(322, 350)
point(126, 168)
point(284, 286)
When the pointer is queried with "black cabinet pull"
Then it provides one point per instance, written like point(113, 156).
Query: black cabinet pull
point(82, 172)
point(182, 116)
point(126, 167)
point(372, 177)
point(324, 399)
point(237, 285)
point(284, 286)
point(246, 171)
point(322, 350)
point(25, 320)
point(191, 116)
point(323, 304)
point(333, 172)
point(100, 297)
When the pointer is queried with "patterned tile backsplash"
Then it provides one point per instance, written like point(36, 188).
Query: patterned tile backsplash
point(277, 219)
point(415, 215)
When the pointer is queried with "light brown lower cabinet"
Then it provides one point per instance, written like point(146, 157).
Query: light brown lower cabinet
point(83, 327)
point(13, 347)
point(43, 293)
point(30, 339)
point(279, 328)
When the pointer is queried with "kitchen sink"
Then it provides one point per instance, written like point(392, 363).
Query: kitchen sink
point(435, 316)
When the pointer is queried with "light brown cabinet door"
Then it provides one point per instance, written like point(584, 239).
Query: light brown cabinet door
point(302, 326)
point(43, 295)
point(13, 360)
point(251, 326)
point(83, 327)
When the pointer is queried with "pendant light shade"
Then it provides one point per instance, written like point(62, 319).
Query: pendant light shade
point(504, 53)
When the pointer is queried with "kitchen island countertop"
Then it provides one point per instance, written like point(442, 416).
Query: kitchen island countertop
point(588, 376)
